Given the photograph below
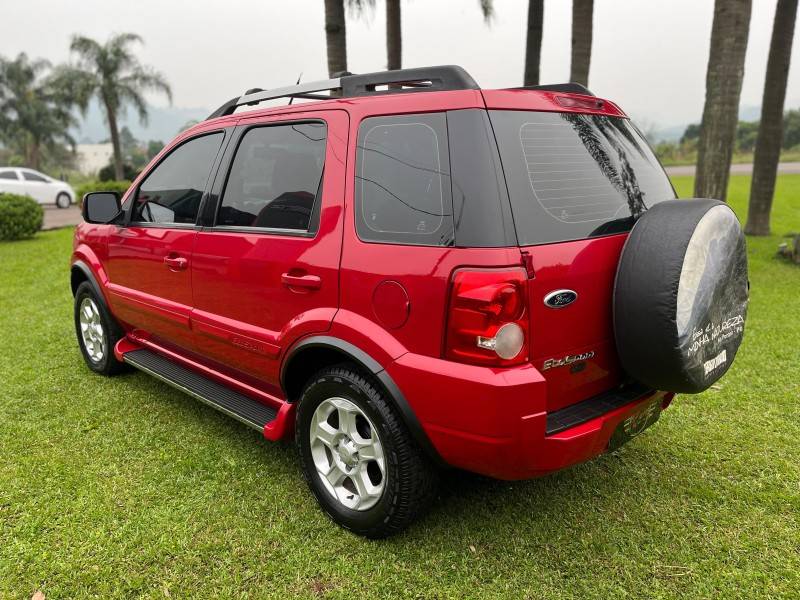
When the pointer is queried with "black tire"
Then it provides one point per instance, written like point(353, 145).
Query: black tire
point(411, 478)
point(680, 297)
point(108, 363)
point(63, 200)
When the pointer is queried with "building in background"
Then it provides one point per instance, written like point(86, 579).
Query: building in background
point(90, 158)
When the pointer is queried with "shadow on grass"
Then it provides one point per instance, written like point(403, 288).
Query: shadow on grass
point(468, 507)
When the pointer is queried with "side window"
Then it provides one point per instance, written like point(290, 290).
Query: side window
point(28, 176)
point(171, 193)
point(9, 175)
point(402, 187)
point(275, 178)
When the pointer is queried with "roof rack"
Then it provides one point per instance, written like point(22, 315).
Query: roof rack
point(569, 88)
point(441, 78)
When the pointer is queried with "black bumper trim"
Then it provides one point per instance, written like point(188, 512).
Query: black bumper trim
point(596, 406)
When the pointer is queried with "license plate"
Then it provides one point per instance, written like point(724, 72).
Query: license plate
point(635, 423)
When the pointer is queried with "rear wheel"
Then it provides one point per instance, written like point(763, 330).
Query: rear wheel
point(358, 457)
point(63, 201)
point(97, 331)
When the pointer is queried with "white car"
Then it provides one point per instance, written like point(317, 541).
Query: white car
point(40, 187)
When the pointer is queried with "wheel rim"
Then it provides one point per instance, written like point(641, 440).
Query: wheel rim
point(347, 454)
point(92, 332)
point(62, 201)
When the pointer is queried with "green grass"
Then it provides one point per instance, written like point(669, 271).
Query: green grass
point(126, 488)
point(690, 158)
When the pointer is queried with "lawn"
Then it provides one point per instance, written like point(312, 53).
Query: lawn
point(126, 488)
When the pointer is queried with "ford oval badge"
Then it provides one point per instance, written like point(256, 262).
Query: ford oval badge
point(560, 298)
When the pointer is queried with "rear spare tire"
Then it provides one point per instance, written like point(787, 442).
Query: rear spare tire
point(680, 297)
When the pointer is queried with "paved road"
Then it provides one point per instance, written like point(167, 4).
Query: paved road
point(69, 217)
point(61, 217)
point(745, 169)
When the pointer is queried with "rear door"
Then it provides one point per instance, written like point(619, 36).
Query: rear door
point(576, 183)
point(37, 187)
point(11, 183)
point(267, 269)
point(149, 258)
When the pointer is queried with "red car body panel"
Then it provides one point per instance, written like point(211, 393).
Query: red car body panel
point(229, 315)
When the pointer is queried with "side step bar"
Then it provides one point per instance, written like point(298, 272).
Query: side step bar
point(242, 408)
point(593, 407)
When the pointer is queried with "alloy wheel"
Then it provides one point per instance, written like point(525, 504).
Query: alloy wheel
point(347, 453)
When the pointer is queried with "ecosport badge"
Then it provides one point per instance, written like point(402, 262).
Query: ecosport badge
point(560, 298)
point(569, 359)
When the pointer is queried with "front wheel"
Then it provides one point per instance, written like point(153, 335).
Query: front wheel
point(63, 200)
point(358, 457)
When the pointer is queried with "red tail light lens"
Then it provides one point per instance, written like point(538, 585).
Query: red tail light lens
point(573, 102)
point(487, 320)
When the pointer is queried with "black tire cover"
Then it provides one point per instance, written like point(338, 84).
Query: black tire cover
point(680, 297)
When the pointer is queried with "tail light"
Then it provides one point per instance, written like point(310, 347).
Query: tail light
point(487, 320)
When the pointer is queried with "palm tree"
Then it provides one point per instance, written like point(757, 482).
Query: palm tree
point(112, 74)
point(770, 130)
point(581, 40)
point(394, 28)
point(336, 36)
point(35, 114)
point(394, 35)
point(533, 45)
point(336, 31)
point(723, 87)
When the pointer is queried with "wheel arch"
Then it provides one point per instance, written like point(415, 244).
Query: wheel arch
point(80, 272)
point(317, 352)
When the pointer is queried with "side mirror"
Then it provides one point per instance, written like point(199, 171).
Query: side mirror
point(100, 207)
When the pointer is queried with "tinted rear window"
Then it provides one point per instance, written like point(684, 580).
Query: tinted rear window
point(572, 176)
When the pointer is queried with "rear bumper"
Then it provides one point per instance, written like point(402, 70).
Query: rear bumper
point(494, 421)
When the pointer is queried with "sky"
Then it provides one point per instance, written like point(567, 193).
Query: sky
point(649, 56)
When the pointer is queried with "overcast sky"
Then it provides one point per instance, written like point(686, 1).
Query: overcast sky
point(648, 55)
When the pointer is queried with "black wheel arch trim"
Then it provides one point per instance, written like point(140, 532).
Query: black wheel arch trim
point(87, 271)
point(373, 366)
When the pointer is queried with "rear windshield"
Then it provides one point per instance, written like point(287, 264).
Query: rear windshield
point(573, 176)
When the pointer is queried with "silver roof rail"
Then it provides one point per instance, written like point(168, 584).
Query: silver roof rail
point(300, 89)
point(441, 78)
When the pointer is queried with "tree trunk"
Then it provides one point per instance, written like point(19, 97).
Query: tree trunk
point(336, 36)
point(394, 35)
point(33, 158)
point(581, 40)
point(723, 86)
point(533, 47)
point(111, 116)
point(770, 130)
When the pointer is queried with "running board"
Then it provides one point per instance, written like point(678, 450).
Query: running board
point(596, 406)
point(242, 408)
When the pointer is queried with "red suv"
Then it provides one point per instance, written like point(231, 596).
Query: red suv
point(406, 271)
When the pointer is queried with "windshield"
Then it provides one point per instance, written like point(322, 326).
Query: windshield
point(572, 176)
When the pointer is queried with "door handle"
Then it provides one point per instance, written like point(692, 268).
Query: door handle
point(309, 282)
point(176, 263)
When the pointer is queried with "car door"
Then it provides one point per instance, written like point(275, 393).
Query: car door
point(149, 257)
point(266, 271)
point(37, 187)
point(11, 183)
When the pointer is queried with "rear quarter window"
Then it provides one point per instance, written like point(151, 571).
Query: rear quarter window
point(403, 193)
point(574, 176)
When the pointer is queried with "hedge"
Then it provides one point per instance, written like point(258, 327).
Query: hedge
point(102, 186)
point(20, 217)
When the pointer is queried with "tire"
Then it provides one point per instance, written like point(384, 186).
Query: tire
point(407, 481)
point(97, 346)
point(63, 200)
point(680, 296)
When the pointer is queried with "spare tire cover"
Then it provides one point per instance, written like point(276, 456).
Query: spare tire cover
point(680, 297)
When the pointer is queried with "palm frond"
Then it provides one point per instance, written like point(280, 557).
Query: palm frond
point(487, 10)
